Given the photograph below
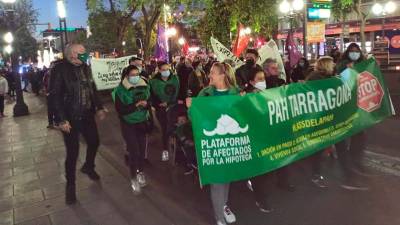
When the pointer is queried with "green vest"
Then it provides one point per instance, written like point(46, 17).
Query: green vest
point(133, 95)
point(165, 91)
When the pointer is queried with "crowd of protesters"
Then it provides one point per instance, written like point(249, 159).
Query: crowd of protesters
point(156, 90)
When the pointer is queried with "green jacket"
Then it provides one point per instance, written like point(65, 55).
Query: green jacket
point(211, 91)
point(125, 97)
point(164, 91)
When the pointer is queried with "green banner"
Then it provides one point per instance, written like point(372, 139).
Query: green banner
point(239, 137)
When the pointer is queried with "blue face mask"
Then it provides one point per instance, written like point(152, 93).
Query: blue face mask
point(354, 56)
point(134, 79)
point(165, 73)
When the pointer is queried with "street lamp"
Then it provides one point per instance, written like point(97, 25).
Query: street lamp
point(8, 38)
point(62, 15)
point(8, 49)
point(181, 41)
point(291, 9)
point(171, 32)
point(383, 10)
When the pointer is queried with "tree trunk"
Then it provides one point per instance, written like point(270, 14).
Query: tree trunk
point(343, 21)
point(363, 21)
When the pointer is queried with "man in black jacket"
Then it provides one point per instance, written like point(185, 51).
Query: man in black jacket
point(242, 74)
point(75, 106)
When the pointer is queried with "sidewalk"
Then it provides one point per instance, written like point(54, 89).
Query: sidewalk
point(32, 181)
point(32, 186)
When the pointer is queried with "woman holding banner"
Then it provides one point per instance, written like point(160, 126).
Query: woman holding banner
point(350, 152)
point(130, 99)
point(222, 82)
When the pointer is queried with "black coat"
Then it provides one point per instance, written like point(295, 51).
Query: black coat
point(65, 86)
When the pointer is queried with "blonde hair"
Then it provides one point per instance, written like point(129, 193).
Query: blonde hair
point(325, 65)
point(226, 69)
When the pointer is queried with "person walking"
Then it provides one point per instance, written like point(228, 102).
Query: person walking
point(242, 73)
point(75, 105)
point(131, 102)
point(3, 93)
point(197, 80)
point(164, 88)
point(271, 70)
point(222, 82)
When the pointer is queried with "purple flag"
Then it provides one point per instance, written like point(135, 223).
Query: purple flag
point(161, 52)
point(293, 52)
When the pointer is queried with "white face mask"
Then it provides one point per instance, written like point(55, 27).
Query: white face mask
point(354, 56)
point(261, 85)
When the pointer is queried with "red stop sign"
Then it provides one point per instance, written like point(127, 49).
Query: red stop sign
point(369, 92)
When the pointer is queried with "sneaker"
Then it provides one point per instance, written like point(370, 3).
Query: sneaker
point(70, 195)
point(319, 181)
point(264, 208)
point(249, 185)
point(135, 186)
point(141, 178)
point(219, 222)
point(188, 170)
point(229, 216)
point(354, 186)
point(164, 156)
point(91, 173)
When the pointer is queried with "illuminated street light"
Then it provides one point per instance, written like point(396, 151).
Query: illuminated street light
point(284, 7)
point(181, 41)
point(390, 7)
point(123, 43)
point(8, 38)
point(8, 49)
point(171, 32)
point(247, 30)
point(377, 9)
point(298, 5)
point(61, 9)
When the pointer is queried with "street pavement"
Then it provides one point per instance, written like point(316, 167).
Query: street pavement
point(32, 183)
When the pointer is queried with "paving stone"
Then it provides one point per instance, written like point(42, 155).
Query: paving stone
point(6, 191)
point(74, 215)
point(6, 218)
point(43, 220)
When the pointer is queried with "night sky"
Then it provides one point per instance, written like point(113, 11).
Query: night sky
point(76, 13)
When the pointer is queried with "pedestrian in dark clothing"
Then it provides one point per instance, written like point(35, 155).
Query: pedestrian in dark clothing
point(324, 69)
point(131, 102)
point(271, 70)
point(3, 93)
point(50, 96)
point(197, 80)
point(351, 151)
point(138, 62)
point(183, 72)
point(11, 83)
point(76, 103)
point(301, 71)
point(164, 92)
point(242, 73)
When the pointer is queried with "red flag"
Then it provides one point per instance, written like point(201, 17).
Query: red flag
point(185, 48)
point(242, 40)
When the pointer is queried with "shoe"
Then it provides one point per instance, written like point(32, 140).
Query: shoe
point(91, 173)
point(188, 170)
point(141, 178)
point(319, 181)
point(354, 186)
point(287, 187)
point(229, 216)
point(70, 195)
point(50, 126)
point(164, 156)
point(221, 222)
point(264, 208)
point(249, 185)
point(135, 186)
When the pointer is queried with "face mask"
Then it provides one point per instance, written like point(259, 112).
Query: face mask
point(165, 73)
point(250, 62)
point(354, 56)
point(261, 85)
point(83, 57)
point(134, 79)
